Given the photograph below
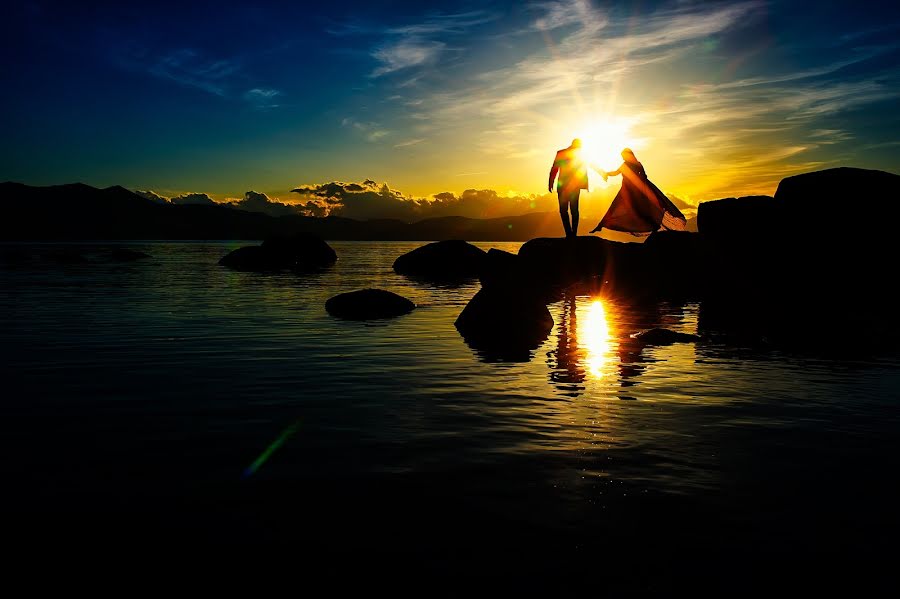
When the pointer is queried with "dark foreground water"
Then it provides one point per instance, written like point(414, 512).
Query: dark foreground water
point(173, 403)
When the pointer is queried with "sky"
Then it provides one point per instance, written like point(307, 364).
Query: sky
point(410, 109)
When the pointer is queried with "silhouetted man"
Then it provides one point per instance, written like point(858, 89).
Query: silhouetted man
point(572, 179)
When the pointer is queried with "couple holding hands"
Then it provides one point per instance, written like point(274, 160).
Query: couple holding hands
point(639, 208)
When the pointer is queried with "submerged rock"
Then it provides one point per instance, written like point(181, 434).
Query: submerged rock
point(367, 304)
point(300, 252)
point(442, 261)
point(660, 336)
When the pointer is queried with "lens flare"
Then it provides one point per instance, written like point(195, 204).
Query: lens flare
point(272, 448)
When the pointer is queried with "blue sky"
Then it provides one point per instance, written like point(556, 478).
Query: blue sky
point(718, 98)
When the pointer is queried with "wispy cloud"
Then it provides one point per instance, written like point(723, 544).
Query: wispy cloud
point(417, 44)
point(263, 98)
point(188, 67)
point(371, 131)
point(406, 53)
point(564, 14)
point(409, 142)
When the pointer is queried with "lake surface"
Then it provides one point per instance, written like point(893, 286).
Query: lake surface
point(173, 398)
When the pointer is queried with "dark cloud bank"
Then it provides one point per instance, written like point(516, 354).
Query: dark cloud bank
point(369, 200)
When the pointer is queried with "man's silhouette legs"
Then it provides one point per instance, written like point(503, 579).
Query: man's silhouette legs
point(567, 200)
point(573, 205)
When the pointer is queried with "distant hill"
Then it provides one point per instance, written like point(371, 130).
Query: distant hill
point(80, 212)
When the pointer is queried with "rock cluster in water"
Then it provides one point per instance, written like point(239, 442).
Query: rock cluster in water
point(787, 267)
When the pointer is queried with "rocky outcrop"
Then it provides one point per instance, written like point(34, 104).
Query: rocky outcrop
point(563, 261)
point(736, 218)
point(673, 265)
point(504, 324)
point(367, 304)
point(301, 252)
point(821, 198)
point(442, 261)
point(811, 270)
point(501, 268)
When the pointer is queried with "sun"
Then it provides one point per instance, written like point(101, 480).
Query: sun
point(603, 141)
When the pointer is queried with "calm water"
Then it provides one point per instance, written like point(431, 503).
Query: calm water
point(151, 391)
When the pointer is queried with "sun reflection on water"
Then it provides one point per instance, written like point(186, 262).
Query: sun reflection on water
point(594, 336)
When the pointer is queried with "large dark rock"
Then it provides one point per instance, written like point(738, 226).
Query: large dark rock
point(505, 323)
point(674, 264)
point(737, 218)
point(609, 267)
point(300, 252)
point(304, 250)
point(819, 198)
point(562, 261)
point(367, 304)
point(503, 269)
point(809, 275)
point(451, 260)
point(252, 258)
point(836, 232)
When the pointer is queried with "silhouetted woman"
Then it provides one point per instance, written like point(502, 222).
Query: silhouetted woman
point(639, 208)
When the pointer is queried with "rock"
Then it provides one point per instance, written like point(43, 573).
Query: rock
point(737, 219)
point(660, 336)
point(607, 267)
point(562, 261)
point(735, 262)
point(126, 255)
point(252, 258)
point(819, 212)
point(504, 324)
point(301, 252)
point(367, 304)
point(818, 198)
point(452, 260)
point(674, 264)
point(500, 268)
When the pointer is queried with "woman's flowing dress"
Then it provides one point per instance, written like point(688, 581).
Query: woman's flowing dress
point(640, 208)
